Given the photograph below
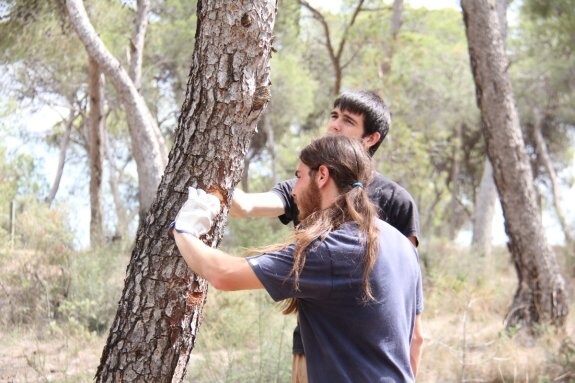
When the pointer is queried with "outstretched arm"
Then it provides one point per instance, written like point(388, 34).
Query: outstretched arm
point(251, 205)
point(223, 271)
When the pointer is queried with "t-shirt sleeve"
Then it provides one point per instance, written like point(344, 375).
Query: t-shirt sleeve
point(284, 190)
point(401, 213)
point(273, 270)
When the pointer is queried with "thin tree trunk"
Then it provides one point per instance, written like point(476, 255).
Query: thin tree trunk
point(541, 296)
point(96, 152)
point(485, 203)
point(335, 54)
point(389, 47)
point(137, 43)
point(62, 157)
point(454, 206)
point(156, 324)
point(136, 59)
point(124, 214)
point(148, 146)
point(545, 160)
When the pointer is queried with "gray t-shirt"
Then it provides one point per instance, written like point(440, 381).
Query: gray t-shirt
point(345, 338)
point(394, 205)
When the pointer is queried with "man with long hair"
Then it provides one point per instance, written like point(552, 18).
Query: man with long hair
point(360, 114)
point(353, 279)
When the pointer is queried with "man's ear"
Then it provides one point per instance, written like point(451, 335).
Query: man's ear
point(370, 140)
point(322, 175)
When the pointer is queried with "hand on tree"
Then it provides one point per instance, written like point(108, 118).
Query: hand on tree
point(197, 214)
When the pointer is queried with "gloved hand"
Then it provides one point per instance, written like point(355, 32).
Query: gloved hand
point(197, 214)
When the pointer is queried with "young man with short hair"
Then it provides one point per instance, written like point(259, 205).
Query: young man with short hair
point(353, 279)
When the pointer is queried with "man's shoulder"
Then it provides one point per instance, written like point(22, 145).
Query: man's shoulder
point(345, 234)
point(383, 185)
point(381, 181)
point(393, 238)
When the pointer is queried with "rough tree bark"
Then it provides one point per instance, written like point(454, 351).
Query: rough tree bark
point(541, 295)
point(486, 198)
point(148, 146)
point(96, 150)
point(160, 310)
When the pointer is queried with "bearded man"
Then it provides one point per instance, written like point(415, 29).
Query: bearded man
point(353, 280)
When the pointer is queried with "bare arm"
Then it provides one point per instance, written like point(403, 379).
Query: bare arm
point(223, 271)
point(251, 205)
point(416, 345)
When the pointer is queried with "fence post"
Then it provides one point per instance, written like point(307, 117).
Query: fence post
point(12, 222)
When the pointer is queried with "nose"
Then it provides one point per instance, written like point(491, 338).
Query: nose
point(334, 125)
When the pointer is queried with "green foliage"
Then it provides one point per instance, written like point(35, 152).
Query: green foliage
point(38, 276)
point(95, 287)
point(243, 338)
point(543, 57)
point(431, 93)
point(18, 172)
point(292, 91)
point(167, 58)
point(48, 283)
point(42, 229)
point(565, 358)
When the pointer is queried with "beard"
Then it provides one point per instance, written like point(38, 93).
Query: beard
point(309, 201)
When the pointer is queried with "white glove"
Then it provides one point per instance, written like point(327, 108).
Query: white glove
point(198, 212)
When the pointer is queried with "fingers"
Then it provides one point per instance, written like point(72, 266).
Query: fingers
point(197, 213)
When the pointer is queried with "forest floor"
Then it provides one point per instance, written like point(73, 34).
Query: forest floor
point(465, 340)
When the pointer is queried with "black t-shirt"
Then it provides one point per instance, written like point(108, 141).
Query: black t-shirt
point(395, 206)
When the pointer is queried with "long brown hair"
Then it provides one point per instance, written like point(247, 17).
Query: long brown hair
point(350, 167)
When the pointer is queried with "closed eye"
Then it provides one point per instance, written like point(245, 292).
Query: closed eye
point(349, 121)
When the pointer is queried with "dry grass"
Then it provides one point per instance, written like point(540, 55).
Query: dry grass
point(51, 356)
point(466, 301)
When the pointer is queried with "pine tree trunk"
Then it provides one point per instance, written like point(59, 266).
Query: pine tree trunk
point(124, 213)
point(389, 46)
point(335, 53)
point(541, 295)
point(161, 306)
point(454, 207)
point(485, 203)
point(148, 146)
point(96, 151)
point(486, 199)
point(62, 157)
point(545, 161)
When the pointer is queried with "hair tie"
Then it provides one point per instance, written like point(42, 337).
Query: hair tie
point(357, 184)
